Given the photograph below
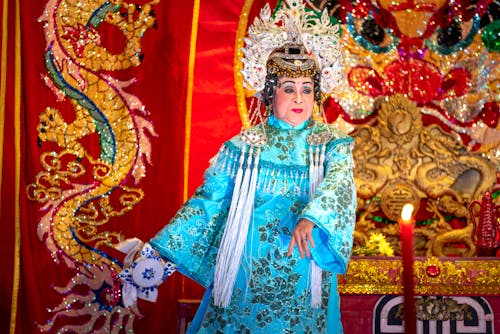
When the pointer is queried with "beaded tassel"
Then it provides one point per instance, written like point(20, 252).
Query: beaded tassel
point(235, 233)
point(316, 174)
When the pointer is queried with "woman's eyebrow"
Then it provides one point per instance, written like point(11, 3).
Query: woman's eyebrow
point(294, 82)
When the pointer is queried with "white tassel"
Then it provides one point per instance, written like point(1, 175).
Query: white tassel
point(321, 170)
point(316, 174)
point(312, 172)
point(316, 170)
point(316, 274)
point(237, 186)
point(248, 209)
point(235, 234)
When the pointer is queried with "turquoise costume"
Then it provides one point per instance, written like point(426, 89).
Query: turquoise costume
point(272, 290)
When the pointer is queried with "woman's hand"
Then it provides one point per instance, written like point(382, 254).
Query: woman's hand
point(302, 233)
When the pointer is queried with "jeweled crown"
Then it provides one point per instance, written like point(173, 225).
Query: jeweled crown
point(292, 61)
point(292, 25)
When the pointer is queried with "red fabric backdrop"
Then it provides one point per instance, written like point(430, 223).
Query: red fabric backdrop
point(190, 126)
point(161, 84)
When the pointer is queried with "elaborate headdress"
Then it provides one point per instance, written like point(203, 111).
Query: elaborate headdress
point(292, 25)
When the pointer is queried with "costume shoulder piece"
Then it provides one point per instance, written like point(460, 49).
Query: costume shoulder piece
point(255, 136)
point(323, 134)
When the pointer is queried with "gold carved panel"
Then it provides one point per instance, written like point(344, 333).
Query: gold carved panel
point(433, 276)
point(399, 159)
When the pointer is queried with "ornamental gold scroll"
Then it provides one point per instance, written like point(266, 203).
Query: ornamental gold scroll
point(400, 160)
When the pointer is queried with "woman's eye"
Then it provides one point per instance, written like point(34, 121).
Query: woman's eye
point(307, 90)
point(289, 90)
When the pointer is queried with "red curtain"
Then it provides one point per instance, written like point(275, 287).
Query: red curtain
point(192, 111)
point(185, 82)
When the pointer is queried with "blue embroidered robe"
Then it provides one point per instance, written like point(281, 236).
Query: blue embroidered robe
point(272, 291)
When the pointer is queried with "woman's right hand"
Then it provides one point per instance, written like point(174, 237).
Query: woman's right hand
point(302, 236)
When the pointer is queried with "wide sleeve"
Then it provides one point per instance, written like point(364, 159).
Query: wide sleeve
point(332, 209)
point(192, 237)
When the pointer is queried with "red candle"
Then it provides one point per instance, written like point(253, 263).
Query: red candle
point(406, 238)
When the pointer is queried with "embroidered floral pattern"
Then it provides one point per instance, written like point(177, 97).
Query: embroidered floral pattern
point(272, 290)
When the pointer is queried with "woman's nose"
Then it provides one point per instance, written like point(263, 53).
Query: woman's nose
point(298, 97)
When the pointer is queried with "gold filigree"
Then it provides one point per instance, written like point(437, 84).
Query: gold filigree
point(433, 276)
point(127, 200)
point(399, 120)
point(372, 275)
point(431, 308)
point(369, 174)
point(60, 169)
point(441, 309)
point(398, 160)
point(395, 195)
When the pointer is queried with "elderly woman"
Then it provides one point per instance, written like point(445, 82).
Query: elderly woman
point(271, 225)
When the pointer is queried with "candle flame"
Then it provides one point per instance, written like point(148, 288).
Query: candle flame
point(407, 212)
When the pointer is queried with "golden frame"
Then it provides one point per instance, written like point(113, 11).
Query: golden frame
point(433, 276)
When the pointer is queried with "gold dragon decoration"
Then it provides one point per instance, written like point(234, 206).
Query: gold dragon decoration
point(98, 159)
point(421, 99)
point(400, 161)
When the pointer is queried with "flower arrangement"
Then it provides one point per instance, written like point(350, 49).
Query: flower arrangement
point(375, 246)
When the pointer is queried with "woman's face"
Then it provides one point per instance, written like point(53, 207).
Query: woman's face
point(294, 99)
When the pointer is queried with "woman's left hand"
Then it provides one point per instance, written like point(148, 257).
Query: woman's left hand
point(302, 233)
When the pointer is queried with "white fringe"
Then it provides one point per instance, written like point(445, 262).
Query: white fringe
point(321, 170)
point(237, 186)
point(312, 173)
point(235, 234)
point(316, 278)
point(316, 174)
